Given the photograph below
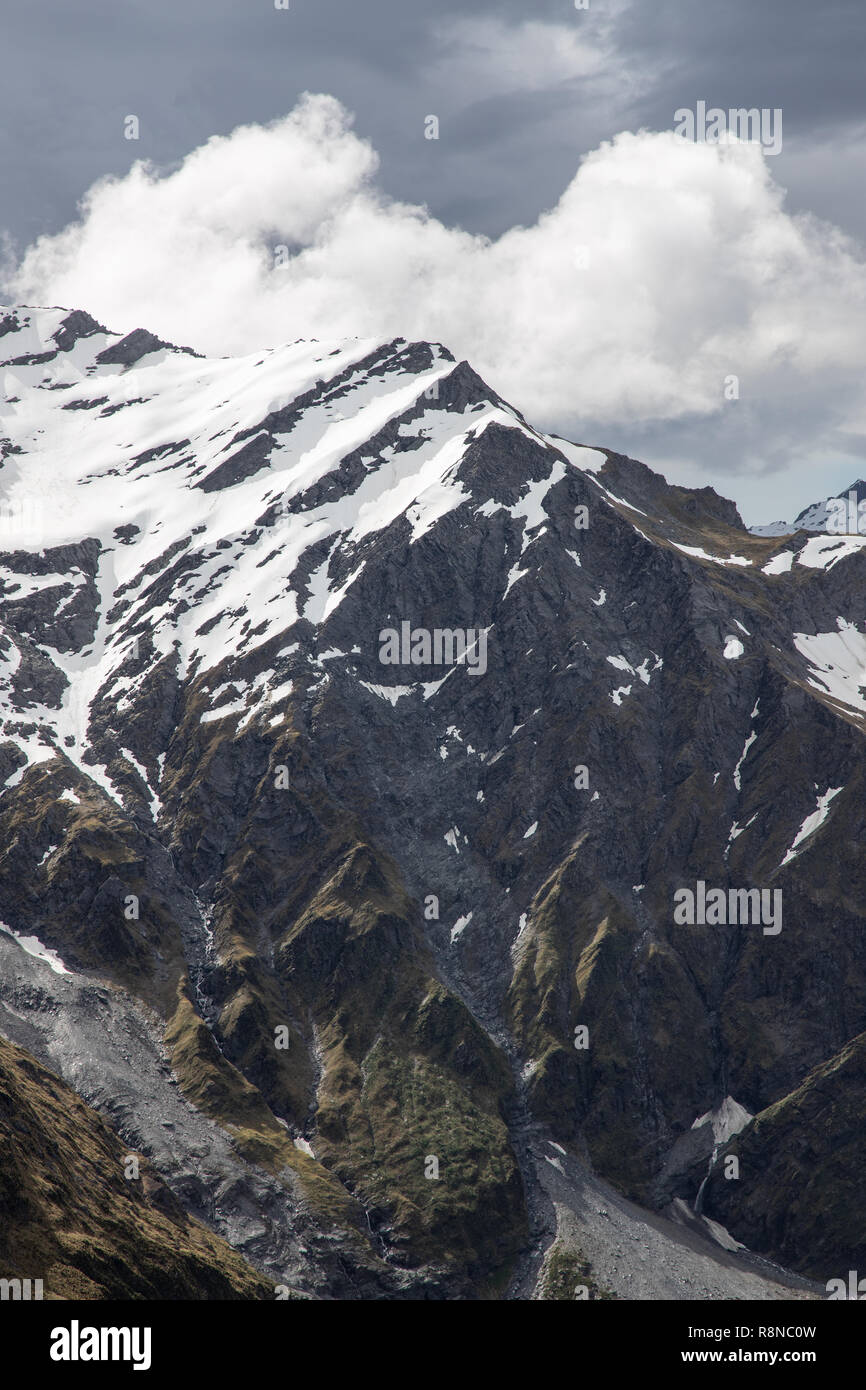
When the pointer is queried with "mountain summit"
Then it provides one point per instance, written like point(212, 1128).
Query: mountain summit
point(433, 845)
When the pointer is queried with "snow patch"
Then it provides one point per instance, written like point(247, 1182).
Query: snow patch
point(460, 926)
point(33, 946)
point(812, 823)
point(588, 460)
point(823, 552)
point(837, 662)
point(749, 741)
point(391, 693)
point(701, 554)
point(780, 564)
point(728, 1119)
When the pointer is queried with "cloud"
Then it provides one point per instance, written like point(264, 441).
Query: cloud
point(488, 55)
point(665, 268)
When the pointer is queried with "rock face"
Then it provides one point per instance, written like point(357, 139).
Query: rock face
point(802, 1189)
point(361, 746)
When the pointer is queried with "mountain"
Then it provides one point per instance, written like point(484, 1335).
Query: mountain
point(433, 845)
point(839, 515)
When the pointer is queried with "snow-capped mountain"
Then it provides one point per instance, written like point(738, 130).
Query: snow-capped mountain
point(358, 739)
point(839, 515)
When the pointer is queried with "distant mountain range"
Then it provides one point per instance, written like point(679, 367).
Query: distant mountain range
point(839, 514)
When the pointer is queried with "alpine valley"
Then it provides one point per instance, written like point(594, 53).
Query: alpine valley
point(324, 976)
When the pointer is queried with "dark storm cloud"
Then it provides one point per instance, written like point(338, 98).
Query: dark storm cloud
point(804, 56)
point(74, 70)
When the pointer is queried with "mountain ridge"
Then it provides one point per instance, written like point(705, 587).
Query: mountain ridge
point(258, 828)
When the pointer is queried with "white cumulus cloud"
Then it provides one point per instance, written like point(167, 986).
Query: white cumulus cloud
point(665, 268)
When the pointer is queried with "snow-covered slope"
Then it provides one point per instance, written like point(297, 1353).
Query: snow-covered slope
point(95, 450)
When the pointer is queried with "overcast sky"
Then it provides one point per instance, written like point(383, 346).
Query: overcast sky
point(522, 95)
